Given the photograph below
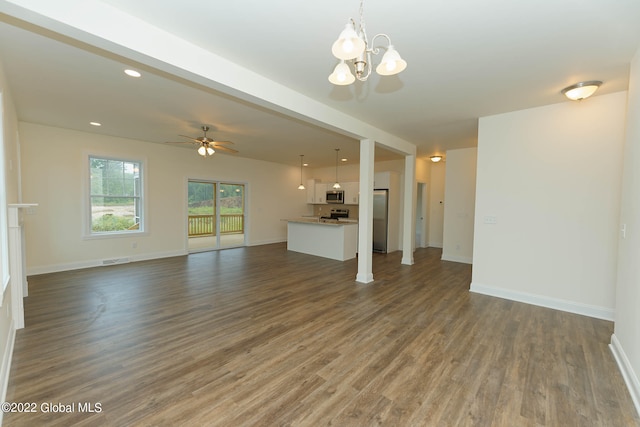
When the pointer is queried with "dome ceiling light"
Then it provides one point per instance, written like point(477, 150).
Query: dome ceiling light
point(581, 90)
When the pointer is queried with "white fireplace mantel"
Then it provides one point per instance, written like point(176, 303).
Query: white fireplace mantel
point(18, 277)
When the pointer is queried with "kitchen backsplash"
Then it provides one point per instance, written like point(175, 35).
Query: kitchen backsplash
point(325, 210)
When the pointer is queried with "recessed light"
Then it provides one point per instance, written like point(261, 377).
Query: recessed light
point(343, 160)
point(132, 73)
point(305, 164)
point(95, 124)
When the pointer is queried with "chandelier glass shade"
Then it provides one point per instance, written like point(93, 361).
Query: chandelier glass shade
point(353, 45)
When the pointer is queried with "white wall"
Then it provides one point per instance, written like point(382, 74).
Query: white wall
point(459, 193)
point(436, 204)
point(626, 339)
point(551, 178)
point(9, 183)
point(54, 175)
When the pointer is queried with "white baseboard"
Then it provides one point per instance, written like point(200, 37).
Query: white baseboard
point(630, 377)
point(544, 301)
point(435, 245)
point(100, 262)
point(5, 369)
point(266, 242)
point(456, 258)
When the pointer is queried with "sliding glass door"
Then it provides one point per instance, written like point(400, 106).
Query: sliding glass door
point(231, 217)
point(216, 215)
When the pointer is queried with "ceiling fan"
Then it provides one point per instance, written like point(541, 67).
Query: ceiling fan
point(207, 146)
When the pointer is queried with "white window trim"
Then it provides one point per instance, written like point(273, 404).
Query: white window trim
point(87, 234)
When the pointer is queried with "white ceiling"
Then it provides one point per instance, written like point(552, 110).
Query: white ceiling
point(466, 59)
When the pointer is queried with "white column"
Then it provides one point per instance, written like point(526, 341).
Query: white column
point(365, 221)
point(18, 281)
point(409, 214)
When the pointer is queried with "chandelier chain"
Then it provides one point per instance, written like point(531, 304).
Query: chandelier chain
point(363, 30)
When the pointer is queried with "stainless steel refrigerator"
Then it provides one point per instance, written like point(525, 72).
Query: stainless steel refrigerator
point(380, 220)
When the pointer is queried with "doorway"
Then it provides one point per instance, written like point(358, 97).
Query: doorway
point(421, 216)
point(216, 215)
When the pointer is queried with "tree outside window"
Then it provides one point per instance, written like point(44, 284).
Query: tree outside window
point(116, 196)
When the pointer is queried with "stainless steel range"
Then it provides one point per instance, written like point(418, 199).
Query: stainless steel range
point(336, 214)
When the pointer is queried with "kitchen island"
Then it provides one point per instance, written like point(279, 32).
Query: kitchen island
point(335, 239)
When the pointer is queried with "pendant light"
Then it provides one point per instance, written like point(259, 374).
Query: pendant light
point(337, 184)
point(301, 186)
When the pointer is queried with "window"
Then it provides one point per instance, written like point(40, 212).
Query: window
point(115, 196)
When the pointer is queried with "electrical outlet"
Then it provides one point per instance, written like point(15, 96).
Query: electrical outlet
point(490, 219)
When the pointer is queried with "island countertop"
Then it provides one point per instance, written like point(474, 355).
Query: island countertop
point(320, 221)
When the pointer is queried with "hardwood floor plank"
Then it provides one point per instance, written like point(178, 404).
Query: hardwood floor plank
point(260, 336)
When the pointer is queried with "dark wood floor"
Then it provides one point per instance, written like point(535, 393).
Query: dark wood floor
point(262, 336)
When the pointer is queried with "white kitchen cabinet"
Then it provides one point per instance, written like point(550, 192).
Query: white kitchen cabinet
point(382, 180)
point(311, 191)
point(320, 193)
point(351, 193)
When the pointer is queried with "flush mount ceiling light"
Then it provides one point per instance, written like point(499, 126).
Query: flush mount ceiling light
point(301, 186)
point(582, 90)
point(435, 159)
point(132, 73)
point(337, 184)
point(353, 45)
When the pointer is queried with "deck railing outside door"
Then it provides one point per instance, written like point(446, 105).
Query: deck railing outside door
point(204, 225)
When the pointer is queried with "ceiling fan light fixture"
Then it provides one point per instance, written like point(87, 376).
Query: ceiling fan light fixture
point(205, 150)
point(581, 90)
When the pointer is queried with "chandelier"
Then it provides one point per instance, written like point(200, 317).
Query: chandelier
point(353, 45)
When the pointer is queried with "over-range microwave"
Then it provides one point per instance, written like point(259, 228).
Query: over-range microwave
point(335, 196)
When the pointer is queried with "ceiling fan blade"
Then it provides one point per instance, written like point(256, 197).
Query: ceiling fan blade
point(193, 139)
point(225, 149)
point(180, 142)
point(222, 142)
